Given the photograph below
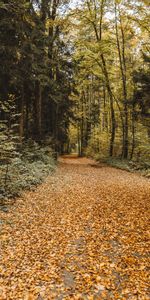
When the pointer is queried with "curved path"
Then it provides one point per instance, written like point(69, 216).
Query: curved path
point(83, 234)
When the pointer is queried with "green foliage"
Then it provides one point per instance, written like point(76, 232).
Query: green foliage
point(94, 75)
point(35, 67)
point(112, 80)
point(35, 84)
point(26, 171)
point(141, 78)
point(9, 139)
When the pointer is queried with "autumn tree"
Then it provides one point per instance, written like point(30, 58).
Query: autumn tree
point(108, 49)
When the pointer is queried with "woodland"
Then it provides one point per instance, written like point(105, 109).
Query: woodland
point(74, 77)
point(74, 149)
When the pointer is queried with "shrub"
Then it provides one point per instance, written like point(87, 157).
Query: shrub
point(27, 170)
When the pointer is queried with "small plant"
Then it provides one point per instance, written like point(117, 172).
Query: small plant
point(27, 170)
point(9, 140)
point(20, 167)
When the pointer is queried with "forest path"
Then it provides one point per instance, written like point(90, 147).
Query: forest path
point(83, 234)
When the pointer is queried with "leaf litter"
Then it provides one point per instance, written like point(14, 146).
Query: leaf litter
point(81, 235)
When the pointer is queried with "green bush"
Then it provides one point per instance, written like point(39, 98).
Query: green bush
point(29, 169)
point(21, 166)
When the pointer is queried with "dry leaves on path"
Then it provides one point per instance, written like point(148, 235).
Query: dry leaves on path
point(81, 235)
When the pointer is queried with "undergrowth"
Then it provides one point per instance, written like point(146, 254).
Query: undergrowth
point(142, 167)
point(31, 166)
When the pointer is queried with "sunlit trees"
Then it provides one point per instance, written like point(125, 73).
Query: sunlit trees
point(110, 39)
point(93, 51)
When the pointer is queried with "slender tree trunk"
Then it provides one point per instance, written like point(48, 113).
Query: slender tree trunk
point(112, 112)
point(57, 146)
point(21, 111)
point(79, 140)
point(27, 117)
point(133, 133)
point(82, 125)
point(98, 36)
point(38, 111)
point(122, 60)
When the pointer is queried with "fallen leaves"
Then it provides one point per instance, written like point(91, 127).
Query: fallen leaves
point(82, 235)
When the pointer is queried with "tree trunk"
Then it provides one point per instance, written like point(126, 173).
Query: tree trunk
point(21, 111)
point(98, 36)
point(38, 111)
point(122, 60)
point(112, 112)
point(133, 133)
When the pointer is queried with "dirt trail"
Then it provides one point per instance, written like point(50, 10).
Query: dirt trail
point(81, 235)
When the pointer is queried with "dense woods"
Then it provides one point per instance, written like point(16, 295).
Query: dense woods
point(112, 78)
point(35, 80)
point(35, 68)
point(74, 118)
point(74, 78)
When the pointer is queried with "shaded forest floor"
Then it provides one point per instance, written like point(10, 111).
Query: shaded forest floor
point(81, 235)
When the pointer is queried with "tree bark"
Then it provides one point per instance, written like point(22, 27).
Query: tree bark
point(21, 111)
point(98, 36)
point(122, 61)
point(38, 111)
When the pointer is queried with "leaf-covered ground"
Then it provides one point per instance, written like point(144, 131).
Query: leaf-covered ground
point(81, 235)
